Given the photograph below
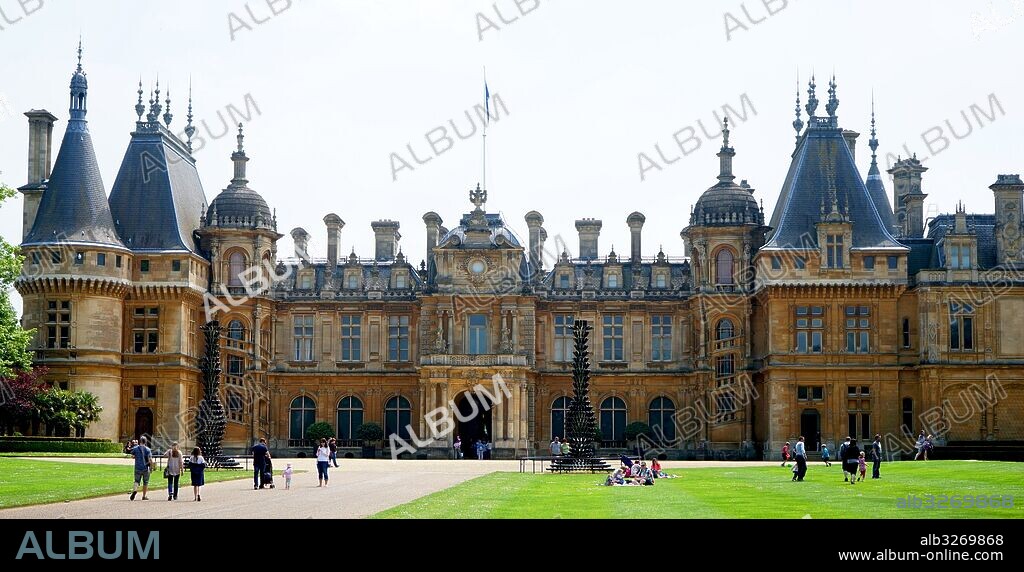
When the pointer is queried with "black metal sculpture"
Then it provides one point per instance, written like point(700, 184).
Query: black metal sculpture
point(210, 419)
point(581, 424)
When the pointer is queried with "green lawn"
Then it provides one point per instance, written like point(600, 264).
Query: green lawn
point(26, 482)
point(747, 492)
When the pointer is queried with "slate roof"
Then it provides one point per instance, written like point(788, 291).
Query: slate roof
point(823, 162)
point(633, 277)
point(982, 225)
point(500, 234)
point(74, 206)
point(876, 188)
point(157, 198)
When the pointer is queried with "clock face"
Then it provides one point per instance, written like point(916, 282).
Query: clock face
point(477, 267)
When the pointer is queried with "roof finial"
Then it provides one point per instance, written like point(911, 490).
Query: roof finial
point(812, 101)
point(833, 102)
point(798, 123)
point(241, 138)
point(189, 128)
point(167, 113)
point(725, 133)
point(139, 107)
point(873, 142)
point(151, 117)
point(155, 108)
point(79, 70)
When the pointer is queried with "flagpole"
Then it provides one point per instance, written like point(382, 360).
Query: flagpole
point(487, 120)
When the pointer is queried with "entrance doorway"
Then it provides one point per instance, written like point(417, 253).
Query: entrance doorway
point(476, 410)
point(810, 428)
point(143, 422)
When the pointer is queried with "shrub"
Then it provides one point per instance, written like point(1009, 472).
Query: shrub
point(638, 428)
point(59, 445)
point(321, 430)
point(369, 433)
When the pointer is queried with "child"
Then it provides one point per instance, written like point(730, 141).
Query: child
point(785, 454)
point(287, 476)
point(863, 465)
point(196, 467)
point(825, 455)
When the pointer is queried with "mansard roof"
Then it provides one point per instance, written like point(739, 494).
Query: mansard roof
point(589, 275)
point(500, 235)
point(157, 199)
point(982, 226)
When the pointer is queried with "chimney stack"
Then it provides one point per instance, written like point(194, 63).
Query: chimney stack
point(636, 224)
point(851, 141)
point(40, 155)
point(386, 239)
point(334, 226)
point(535, 222)
point(301, 239)
point(909, 200)
point(589, 230)
point(1008, 191)
point(433, 222)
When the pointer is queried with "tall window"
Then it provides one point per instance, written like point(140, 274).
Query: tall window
point(353, 282)
point(810, 324)
point(303, 336)
point(858, 329)
point(236, 362)
point(725, 406)
point(236, 264)
point(859, 410)
point(612, 330)
point(659, 417)
point(906, 332)
point(351, 338)
point(563, 281)
point(236, 406)
point(613, 419)
point(725, 365)
point(400, 280)
point(58, 324)
point(834, 250)
point(725, 332)
point(146, 329)
point(350, 417)
point(397, 413)
point(478, 334)
point(724, 267)
point(301, 416)
point(861, 421)
point(959, 256)
point(398, 338)
point(961, 326)
point(559, 411)
point(908, 415)
point(563, 337)
point(661, 338)
point(613, 280)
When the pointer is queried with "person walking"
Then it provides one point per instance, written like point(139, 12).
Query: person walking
point(842, 456)
point(259, 463)
point(785, 454)
point(457, 447)
point(323, 456)
point(196, 469)
point(556, 447)
point(333, 446)
point(876, 456)
point(801, 459)
point(287, 474)
point(175, 464)
point(480, 448)
point(825, 455)
point(919, 446)
point(143, 467)
point(926, 449)
point(851, 460)
point(566, 448)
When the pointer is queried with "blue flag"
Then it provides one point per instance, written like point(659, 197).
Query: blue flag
point(487, 102)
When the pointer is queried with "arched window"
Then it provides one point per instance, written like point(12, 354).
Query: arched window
point(724, 267)
point(660, 415)
point(613, 419)
point(725, 330)
point(303, 414)
point(559, 411)
point(908, 416)
point(236, 263)
point(350, 417)
point(397, 416)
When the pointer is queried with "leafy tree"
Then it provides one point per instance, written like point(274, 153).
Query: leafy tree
point(65, 411)
point(320, 430)
point(369, 433)
point(17, 398)
point(637, 428)
point(14, 341)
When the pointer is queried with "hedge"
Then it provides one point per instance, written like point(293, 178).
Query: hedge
point(57, 445)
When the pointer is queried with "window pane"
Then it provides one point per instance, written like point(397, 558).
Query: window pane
point(968, 333)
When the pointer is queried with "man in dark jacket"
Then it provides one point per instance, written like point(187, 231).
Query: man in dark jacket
point(876, 456)
point(850, 456)
point(842, 457)
point(259, 463)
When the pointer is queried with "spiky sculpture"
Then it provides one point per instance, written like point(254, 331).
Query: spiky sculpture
point(582, 422)
point(210, 419)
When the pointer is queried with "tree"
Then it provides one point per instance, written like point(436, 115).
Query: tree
point(65, 411)
point(17, 396)
point(14, 341)
point(369, 433)
point(321, 430)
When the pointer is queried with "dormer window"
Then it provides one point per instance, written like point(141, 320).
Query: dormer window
point(613, 280)
point(305, 282)
point(869, 263)
point(660, 281)
point(894, 262)
point(958, 257)
point(353, 282)
point(563, 281)
point(400, 281)
point(834, 251)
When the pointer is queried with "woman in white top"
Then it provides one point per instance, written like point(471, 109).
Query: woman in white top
point(323, 458)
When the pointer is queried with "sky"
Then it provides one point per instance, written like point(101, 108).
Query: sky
point(343, 99)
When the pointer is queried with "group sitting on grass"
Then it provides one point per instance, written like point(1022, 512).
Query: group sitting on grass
point(636, 473)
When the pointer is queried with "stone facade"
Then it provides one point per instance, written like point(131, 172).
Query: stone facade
point(835, 317)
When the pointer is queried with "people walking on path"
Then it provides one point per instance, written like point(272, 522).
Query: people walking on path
point(323, 456)
point(919, 455)
point(876, 457)
point(172, 470)
point(196, 469)
point(287, 474)
point(785, 454)
point(825, 455)
point(926, 449)
point(143, 467)
point(259, 463)
point(801, 459)
point(851, 456)
point(457, 447)
point(333, 446)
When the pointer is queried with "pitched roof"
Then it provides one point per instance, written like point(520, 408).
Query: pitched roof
point(822, 165)
point(157, 199)
point(74, 206)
